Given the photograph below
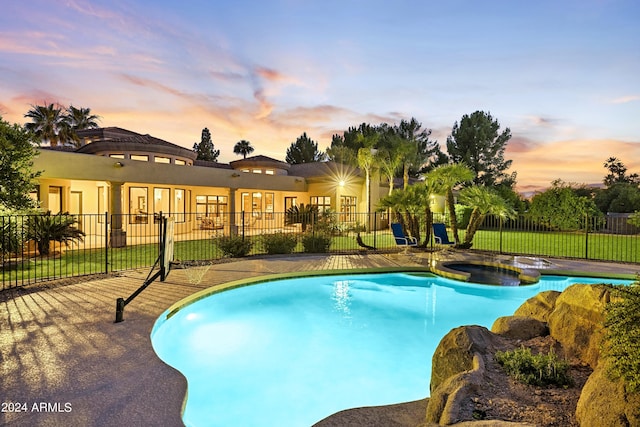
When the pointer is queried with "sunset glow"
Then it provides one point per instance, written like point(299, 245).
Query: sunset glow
point(563, 76)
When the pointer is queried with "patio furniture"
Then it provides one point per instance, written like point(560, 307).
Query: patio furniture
point(211, 223)
point(401, 240)
point(440, 234)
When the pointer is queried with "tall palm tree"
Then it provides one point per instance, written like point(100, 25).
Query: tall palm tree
point(46, 123)
point(389, 156)
point(79, 119)
point(366, 162)
point(415, 148)
point(484, 201)
point(443, 179)
point(243, 148)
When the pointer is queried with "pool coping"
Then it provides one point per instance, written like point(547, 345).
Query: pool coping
point(109, 371)
point(529, 275)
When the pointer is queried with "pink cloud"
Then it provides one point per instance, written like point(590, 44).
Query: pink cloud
point(579, 161)
point(520, 144)
point(625, 99)
point(270, 74)
point(38, 44)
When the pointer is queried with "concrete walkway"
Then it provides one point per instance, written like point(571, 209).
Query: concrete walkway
point(63, 360)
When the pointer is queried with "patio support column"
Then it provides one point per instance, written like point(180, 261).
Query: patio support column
point(117, 236)
point(233, 228)
point(44, 195)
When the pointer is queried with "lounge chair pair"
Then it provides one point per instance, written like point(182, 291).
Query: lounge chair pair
point(439, 234)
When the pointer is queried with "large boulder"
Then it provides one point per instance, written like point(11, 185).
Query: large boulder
point(520, 328)
point(455, 352)
point(604, 402)
point(539, 307)
point(458, 368)
point(577, 321)
point(463, 362)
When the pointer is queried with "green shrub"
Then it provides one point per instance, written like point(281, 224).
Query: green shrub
point(622, 335)
point(46, 228)
point(279, 243)
point(534, 369)
point(234, 246)
point(10, 241)
point(316, 243)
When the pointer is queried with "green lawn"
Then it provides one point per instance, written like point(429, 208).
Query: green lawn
point(596, 246)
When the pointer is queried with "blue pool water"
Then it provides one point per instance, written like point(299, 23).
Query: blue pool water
point(292, 352)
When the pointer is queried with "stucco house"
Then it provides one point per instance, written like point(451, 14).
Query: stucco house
point(123, 172)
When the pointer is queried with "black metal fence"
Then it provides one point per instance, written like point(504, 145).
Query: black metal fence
point(36, 248)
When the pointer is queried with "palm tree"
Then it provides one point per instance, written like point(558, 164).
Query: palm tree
point(443, 179)
point(46, 123)
point(484, 201)
point(389, 156)
point(414, 147)
point(408, 205)
point(243, 147)
point(366, 161)
point(79, 119)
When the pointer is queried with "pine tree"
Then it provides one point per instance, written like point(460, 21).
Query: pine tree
point(205, 149)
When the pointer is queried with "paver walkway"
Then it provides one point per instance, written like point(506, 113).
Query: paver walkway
point(64, 362)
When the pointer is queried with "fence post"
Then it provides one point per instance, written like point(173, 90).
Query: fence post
point(243, 223)
point(500, 219)
point(106, 243)
point(160, 216)
point(586, 236)
point(375, 228)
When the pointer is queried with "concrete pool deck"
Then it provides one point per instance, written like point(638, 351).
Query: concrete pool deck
point(63, 360)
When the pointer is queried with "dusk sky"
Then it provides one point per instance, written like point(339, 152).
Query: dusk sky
point(564, 76)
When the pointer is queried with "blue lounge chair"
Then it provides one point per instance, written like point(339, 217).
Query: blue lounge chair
point(401, 239)
point(440, 234)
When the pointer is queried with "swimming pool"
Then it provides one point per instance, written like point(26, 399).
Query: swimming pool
point(292, 352)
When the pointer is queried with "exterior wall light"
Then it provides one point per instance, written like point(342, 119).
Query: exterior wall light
point(235, 175)
point(118, 164)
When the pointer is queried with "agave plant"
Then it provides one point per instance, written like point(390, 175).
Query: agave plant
point(46, 228)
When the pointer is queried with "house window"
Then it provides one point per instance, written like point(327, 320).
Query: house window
point(116, 156)
point(210, 206)
point(140, 157)
point(158, 159)
point(179, 201)
point(138, 205)
point(256, 170)
point(160, 202)
point(268, 205)
point(269, 172)
point(322, 202)
point(256, 204)
point(347, 209)
point(179, 162)
point(55, 199)
point(290, 202)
